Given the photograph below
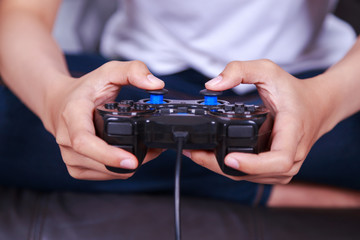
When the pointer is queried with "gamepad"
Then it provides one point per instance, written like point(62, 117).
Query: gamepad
point(208, 124)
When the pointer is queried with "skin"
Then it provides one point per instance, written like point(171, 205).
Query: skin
point(63, 103)
point(33, 67)
point(298, 122)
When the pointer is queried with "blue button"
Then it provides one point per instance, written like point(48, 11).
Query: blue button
point(211, 100)
point(156, 99)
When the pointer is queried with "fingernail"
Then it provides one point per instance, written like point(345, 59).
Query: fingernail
point(214, 81)
point(128, 164)
point(153, 79)
point(187, 153)
point(231, 162)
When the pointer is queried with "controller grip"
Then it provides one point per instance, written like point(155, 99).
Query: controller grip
point(120, 170)
point(223, 149)
point(220, 153)
point(140, 155)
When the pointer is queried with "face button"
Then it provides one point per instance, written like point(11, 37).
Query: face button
point(199, 111)
point(229, 107)
point(111, 106)
point(250, 108)
point(123, 107)
point(165, 110)
point(140, 107)
point(182, 109)
point(129, 102)
point(239, 107)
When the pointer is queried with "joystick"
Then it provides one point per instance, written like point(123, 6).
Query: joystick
point(209, 124)
point(210, 97)
point(157, 96)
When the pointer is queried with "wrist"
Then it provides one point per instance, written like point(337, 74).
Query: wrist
point(54, 93)
point(328, 103)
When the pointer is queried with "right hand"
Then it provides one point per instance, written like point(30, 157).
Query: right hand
point(302, 114)
point(70, 108)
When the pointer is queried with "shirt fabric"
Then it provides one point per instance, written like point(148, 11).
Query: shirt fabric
point(171, 35)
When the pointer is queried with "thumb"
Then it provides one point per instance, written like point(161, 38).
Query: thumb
point(256, 72)
point(133, 73)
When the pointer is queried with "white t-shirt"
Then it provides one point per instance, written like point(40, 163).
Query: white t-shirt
point(173, 35)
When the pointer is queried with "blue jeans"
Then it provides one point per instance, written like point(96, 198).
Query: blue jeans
point(30, 157)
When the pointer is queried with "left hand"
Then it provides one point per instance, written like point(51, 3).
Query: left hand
point(300, 118)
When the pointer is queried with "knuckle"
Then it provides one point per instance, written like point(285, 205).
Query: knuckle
point(267, 64)
point(69, 109)
point(286, 164)
point(234, 63)
point(68, 158)
point(269, 67)
point(293, 172)
point(61, 140)
point(285, 180)
point(78, 142)
point(65, 113)
point(110, 65)
point(136, 65)
point(75, 172)
point(301, 155)
point(231, 66)
point(136, 71)
point(109, 69)
point(61, 137)
point(69, 162)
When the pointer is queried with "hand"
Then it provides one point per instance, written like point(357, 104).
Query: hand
point(300, 119)
point(70, 119)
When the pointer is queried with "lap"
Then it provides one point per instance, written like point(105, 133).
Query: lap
point(30, 157)
point(335, 157)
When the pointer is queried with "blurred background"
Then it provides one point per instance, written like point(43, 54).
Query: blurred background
point(80, 23)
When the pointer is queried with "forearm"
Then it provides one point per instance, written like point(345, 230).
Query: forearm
point(339, 87)
point(31, 63)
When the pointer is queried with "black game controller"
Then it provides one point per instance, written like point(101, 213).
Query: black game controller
point(208, 124)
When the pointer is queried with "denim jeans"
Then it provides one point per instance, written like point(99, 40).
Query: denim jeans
point(30, 157)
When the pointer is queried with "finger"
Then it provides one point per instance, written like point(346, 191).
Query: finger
point(75, 160)
point(153, 153)
point(206, 159)
point(268, 180)
point(93, 147)
point(133, 73)
point(281, 157)
point(250, 72)
point(237, 72)
point(83, 140)
point(90, 174)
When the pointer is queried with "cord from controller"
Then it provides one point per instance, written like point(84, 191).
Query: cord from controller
point(180, 137)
